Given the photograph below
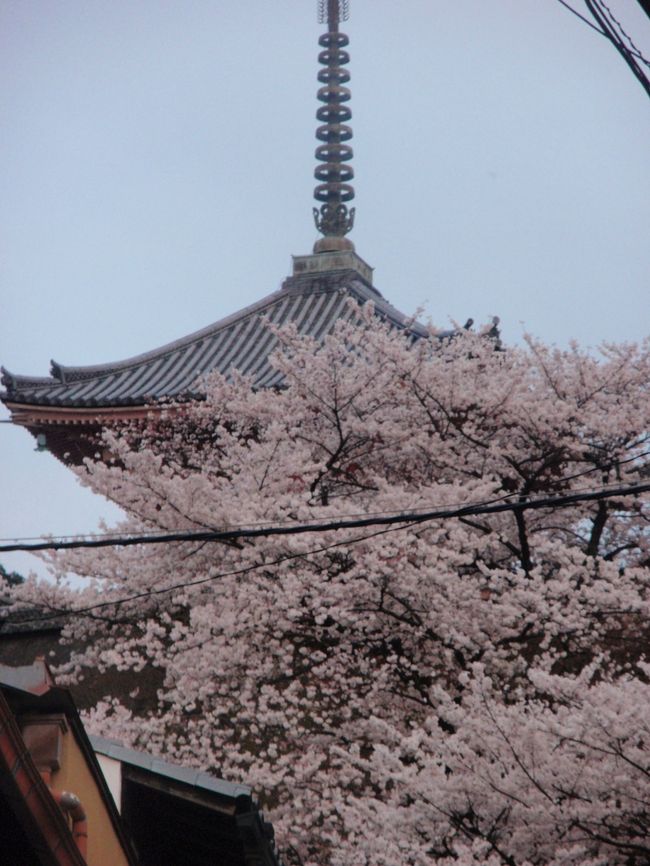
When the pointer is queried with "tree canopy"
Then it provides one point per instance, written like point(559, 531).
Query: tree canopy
point(458, 691)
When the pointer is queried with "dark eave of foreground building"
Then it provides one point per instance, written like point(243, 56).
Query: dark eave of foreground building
point(165, 810)
point(242, 341)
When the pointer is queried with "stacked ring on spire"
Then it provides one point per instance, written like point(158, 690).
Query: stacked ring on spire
point(334, 153)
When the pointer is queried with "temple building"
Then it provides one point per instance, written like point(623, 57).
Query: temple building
point(66, 410)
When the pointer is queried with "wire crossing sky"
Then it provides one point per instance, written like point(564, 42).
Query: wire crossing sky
point(402, 517)
point(391, 523)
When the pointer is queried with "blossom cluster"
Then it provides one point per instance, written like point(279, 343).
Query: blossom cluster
point(469, 690)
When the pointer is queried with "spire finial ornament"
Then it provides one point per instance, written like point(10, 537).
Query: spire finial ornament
point(333, 218)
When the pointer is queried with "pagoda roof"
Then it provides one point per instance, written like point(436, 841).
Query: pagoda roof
point(242, 341)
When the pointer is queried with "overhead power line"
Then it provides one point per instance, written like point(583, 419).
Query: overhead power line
point(413, 517)
point(582, 18)
point(635, 458)
point(609, 27)
point(612, 29)
point(88, 610)
point(396, 523)
point(633, 48)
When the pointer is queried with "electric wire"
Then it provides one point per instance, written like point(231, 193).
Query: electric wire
point(612, 37)
point(238, 572)
point(633, 48)
point(609, 29)
point(582, 18)
point(391, 523)
point(395, 523)
point(359, 514)
point(415, 516)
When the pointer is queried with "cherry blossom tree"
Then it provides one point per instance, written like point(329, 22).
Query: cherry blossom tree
point(462, 690)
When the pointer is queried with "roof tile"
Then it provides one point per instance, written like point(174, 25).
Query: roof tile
point(239, 342)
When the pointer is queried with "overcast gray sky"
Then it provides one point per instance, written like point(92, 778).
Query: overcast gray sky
point(156, 175)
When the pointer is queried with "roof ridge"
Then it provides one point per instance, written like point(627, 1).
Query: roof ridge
point(71, 373)
point(115, 749)
point(312, 301)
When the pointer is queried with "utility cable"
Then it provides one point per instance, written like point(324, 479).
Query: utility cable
point(611, 37)
point(238, 572)
point(396, 523)
point(582, 18)
point(610, 32)
point(158, 532)
point(228, 535)
point(632, 47)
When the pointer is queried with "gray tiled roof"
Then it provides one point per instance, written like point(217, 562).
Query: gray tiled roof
point(245, 838)
point(196, 778)
point(242, 341)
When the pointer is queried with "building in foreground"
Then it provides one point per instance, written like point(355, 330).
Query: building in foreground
point(67, 799)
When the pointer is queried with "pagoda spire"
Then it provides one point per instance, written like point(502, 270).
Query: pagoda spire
point(333, 218)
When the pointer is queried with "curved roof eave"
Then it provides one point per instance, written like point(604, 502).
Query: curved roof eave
point(313, 303)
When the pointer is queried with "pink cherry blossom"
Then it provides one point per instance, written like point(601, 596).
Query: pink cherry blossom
point(460, 691)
